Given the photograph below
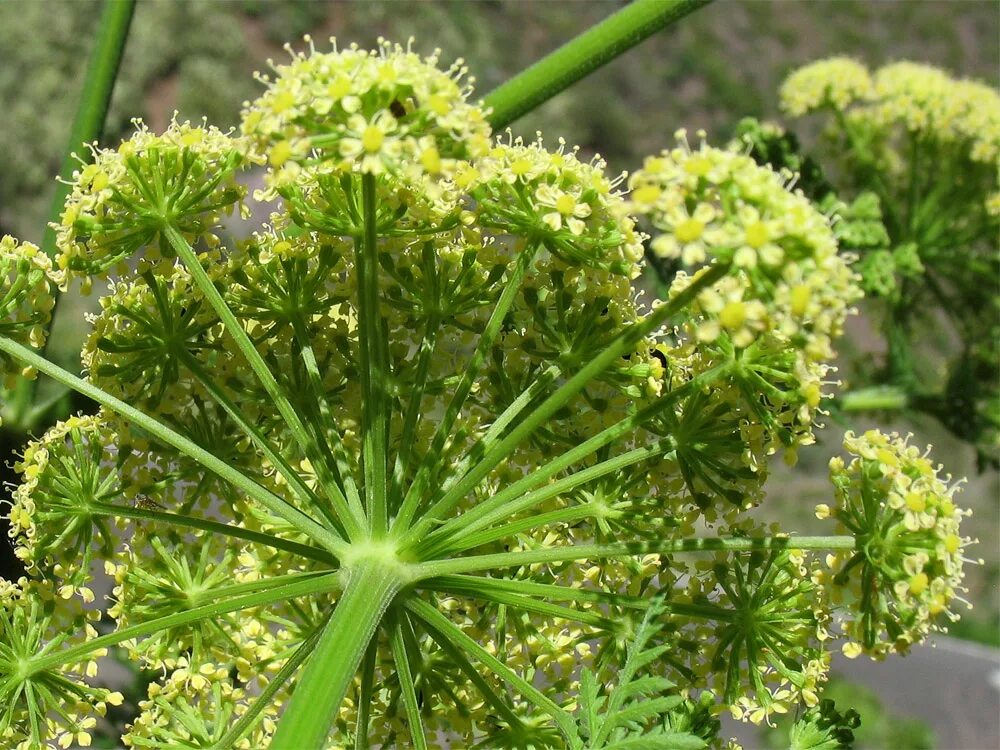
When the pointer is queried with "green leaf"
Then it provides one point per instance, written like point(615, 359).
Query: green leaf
point(671, 741)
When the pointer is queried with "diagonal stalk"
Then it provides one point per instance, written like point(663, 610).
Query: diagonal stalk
point(253, 714)
point(485, 689)
point(294, 423)
point(415, 495)
point(576, 552)
point(557, 400)
point(339, 472)
point(546, 378)
point(468, 587)
point(567, 515)
point(301, 489)
point(273, 590)
point(480, 517)
point(597, 46)
point(192, 450)
point(406, 684)
point(375, 369)
point(215, 527)
point(310, 714)
point(437, 621)
point(539, 590)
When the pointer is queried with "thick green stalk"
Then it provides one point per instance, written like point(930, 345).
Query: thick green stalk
point(310, 714)
point(192, 450)
point(273, 590)
point(584, 54)
point(877, 398)
point(291, 418)
point(572, 553)
point(375, 375)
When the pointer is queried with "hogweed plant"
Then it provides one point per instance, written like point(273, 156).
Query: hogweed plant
point(415, 464)
point(910, 156)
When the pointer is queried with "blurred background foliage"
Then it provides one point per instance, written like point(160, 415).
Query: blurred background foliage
point(721, 64)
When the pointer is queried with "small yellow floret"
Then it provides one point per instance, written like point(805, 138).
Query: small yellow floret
point(918, 584)
point(733, 315)
point(689, 230)
point(372, 139)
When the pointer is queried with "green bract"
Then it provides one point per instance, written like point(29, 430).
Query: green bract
point(415, 463)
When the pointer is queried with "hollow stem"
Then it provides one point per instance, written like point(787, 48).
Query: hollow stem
point(582, 55)
point(324, 682)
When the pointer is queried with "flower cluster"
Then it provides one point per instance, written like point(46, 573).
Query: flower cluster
point(367, 111)
point(901, 108)
point(787, 291)
point(52, 705)
point(837, 82)
point(120, 203)
point(26, 300)
point(906, 570)
point(195, 712)
point(758, 608)
point(55, 517)
point(916, 153)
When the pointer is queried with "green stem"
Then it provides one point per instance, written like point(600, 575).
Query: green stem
point(311, 712)
point(192, 450)
point(215, 527)
point(375, 374)
point(447, 629)
point(572, 553)
point(187, 254)
point(314, 584)
point(579, 57)
point(558, 399)
point(877, 398)
point(92, 110)
point(364, 703)
point(215, 390)
point(407, 686)
point(95, 98)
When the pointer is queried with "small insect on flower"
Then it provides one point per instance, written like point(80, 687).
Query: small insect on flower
point(145, 502)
